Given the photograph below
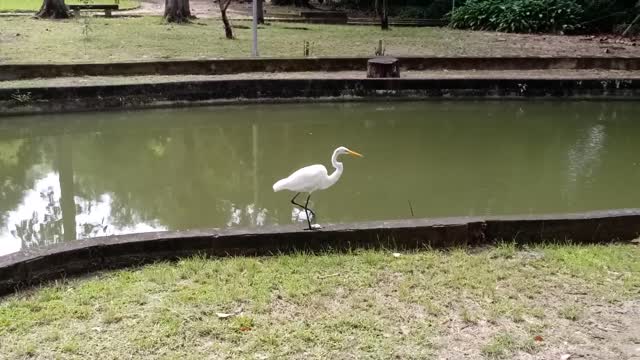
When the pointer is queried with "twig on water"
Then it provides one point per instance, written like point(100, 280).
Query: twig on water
point(410, 207)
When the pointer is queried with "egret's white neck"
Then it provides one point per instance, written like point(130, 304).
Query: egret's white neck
point(333, 178)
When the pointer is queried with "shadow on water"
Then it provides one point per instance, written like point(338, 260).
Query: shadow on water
point(85, 175)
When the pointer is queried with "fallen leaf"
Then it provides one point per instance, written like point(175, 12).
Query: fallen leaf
point(538, 338)
point(245, 328)
point(565, 357)
point(396, 254)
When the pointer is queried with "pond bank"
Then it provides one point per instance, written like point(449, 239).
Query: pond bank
point(32, 100)
point(75, 257)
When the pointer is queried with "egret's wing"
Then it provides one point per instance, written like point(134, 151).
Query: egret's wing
point(306, 179)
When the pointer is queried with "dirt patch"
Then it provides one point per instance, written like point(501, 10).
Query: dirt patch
point(602, 331)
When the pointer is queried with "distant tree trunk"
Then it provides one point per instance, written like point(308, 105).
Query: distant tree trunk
point(228, 31)
point(384, 19)
point(53, 9)
point(260, 11)
point(177, 11)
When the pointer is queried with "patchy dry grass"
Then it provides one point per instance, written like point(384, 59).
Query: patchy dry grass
point(495, 303)
point(26, 40)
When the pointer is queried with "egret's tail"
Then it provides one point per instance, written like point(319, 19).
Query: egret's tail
point(280, 185)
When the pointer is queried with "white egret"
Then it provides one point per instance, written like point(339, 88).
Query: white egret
point(312, 178)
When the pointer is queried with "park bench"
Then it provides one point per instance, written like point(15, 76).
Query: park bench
point(89, 6)
point(327, 17)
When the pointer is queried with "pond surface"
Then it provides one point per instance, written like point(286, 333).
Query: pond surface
point(74, 176)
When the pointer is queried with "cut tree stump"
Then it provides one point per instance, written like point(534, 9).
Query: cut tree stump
point(383, 67)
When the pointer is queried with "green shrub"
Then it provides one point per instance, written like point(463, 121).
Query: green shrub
point(523, 16)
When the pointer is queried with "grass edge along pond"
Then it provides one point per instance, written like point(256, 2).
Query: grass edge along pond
point(513, 301)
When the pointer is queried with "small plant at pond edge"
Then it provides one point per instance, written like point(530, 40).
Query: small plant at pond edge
point(306, 48)
point(380, 50)
point(86, 28)
point(21, 98)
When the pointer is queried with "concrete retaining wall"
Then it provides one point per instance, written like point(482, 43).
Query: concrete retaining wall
point(32, 267)
point(232, 66)
point(82, 98)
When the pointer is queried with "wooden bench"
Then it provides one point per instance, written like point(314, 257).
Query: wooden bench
point(106, 7)
point(327, 17)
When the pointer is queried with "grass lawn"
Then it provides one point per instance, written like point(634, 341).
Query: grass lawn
point(34, 5)
point(28, 40)
point(537, 303)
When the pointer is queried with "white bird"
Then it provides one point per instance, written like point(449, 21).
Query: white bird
point(312, 178)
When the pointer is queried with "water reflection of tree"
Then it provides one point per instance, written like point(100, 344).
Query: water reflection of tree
point(182, 177)
point(17, 159)
point(56, 222)
point(35, 232)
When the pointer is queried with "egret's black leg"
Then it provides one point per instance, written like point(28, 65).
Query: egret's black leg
point(306, 210)
point(293, 201)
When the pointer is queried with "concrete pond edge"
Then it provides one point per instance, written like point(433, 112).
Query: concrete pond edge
point(309, 64)
point(21, 101)
point(31, 267)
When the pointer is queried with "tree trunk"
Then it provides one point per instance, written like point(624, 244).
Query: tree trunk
point(177, 11)
point(384, 19)
point(53, 9)
point(228, 31)
point(260, 11)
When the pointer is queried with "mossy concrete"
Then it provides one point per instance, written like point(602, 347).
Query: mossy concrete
point(232, 66)
point(77, 257)
point(15, 101)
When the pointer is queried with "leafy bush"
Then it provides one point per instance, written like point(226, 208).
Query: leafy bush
point(525, 16)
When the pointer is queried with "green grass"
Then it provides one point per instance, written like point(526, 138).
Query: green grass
point(26, 40)
point(366, 304)
point(34, 5)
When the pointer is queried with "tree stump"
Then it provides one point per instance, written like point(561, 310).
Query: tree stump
point(383, 67)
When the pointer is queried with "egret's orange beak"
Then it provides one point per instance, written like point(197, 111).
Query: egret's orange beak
point(355, 153)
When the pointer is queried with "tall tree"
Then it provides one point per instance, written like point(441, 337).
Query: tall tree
point(228, 31)
point(53, 9)
point(381, 9)
point(260, 11)
point(177, 11)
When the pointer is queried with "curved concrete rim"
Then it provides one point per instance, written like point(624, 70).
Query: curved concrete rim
point(77, 257)
point(21, 71)
point(211, 92)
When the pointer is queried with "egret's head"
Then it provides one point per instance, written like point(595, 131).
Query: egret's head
point(344, 150)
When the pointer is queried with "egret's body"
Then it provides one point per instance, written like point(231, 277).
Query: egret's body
point(312, 178)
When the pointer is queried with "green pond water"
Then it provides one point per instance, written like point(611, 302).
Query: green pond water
point(74, 176)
